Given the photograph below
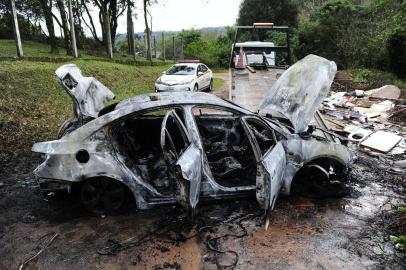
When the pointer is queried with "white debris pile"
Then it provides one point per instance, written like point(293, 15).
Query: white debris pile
point(373, 120)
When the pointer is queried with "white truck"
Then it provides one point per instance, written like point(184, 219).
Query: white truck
point(256, 62)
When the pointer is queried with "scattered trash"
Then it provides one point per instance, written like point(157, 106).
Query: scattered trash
point(397, 115)
point(45, 246)
point(359, 93)
point(382, 106)
point(357, 134)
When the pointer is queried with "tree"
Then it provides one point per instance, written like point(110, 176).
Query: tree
point(61, 7)
point(109, 12)
point(190, 36)
point(47, 12)
point(147, 29)
point(396, 43)
point(280, 12)
point(130, 28)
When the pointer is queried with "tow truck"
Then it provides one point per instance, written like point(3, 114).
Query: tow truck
point(256, 62)
point(260, 54)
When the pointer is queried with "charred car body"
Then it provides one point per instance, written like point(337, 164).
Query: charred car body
point(190, 147)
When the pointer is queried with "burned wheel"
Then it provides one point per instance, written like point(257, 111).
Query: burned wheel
point(316, 181)
point(103, 196)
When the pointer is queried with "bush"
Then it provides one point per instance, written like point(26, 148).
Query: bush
point(352, 35)
point(397, 52)
point(397, 43)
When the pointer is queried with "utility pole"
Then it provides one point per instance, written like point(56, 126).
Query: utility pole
point(163, 46)
point(17, 37)
point(181, 49)
point(155, 46)
point(72, 31)
point(174, 50)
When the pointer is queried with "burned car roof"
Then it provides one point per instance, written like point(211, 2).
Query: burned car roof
point(168, 98)
point(154, 100)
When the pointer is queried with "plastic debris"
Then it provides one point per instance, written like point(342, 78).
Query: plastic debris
point(383, 106)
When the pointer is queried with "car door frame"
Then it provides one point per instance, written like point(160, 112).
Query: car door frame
point(187, 170)
point(271, 166)
point(201, 78)
point(206, 76)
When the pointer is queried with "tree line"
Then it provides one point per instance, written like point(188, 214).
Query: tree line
point(353, 33)
point(32, 12)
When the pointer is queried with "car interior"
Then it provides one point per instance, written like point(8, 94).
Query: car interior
point(137, 140)
point(228, 150)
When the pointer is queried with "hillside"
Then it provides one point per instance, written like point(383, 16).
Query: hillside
point(33, 105)
point(207, 33)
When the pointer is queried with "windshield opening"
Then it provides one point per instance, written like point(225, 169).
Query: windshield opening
point(181, 70)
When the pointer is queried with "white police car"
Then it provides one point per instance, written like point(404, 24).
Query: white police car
point(186, 75)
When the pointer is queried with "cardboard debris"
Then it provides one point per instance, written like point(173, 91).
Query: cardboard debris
point(386, 91)
point(382, 141)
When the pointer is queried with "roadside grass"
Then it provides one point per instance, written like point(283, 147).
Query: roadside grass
point(37, 51)
point(33, 105)
point(219, 69)
point(217, 83)
point(376, 78)
point(30, 48)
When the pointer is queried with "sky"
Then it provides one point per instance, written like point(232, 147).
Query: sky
point(185, 14)
point(173, 15)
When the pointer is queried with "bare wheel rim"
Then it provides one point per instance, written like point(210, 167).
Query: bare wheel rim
point(314, 184)
point(102, 196)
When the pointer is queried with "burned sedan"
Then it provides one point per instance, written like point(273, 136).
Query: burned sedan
point(187, 147)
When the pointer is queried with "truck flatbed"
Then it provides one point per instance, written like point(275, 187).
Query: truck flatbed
point(249, 89)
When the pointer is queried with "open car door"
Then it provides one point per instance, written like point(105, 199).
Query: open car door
point(184, 160)
point(89, 96)
point(271, 160)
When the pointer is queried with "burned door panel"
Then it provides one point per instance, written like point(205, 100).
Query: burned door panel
point(190, 165)
point(271, 160)
point(183, 158)
point(274, 163)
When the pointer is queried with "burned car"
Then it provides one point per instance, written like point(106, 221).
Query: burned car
point(163, 148)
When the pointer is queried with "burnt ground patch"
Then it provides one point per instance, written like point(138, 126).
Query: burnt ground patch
point(332, 233)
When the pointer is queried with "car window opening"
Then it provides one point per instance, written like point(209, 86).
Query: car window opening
point(263, 135)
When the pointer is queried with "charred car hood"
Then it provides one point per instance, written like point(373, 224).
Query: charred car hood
point(298, 93)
